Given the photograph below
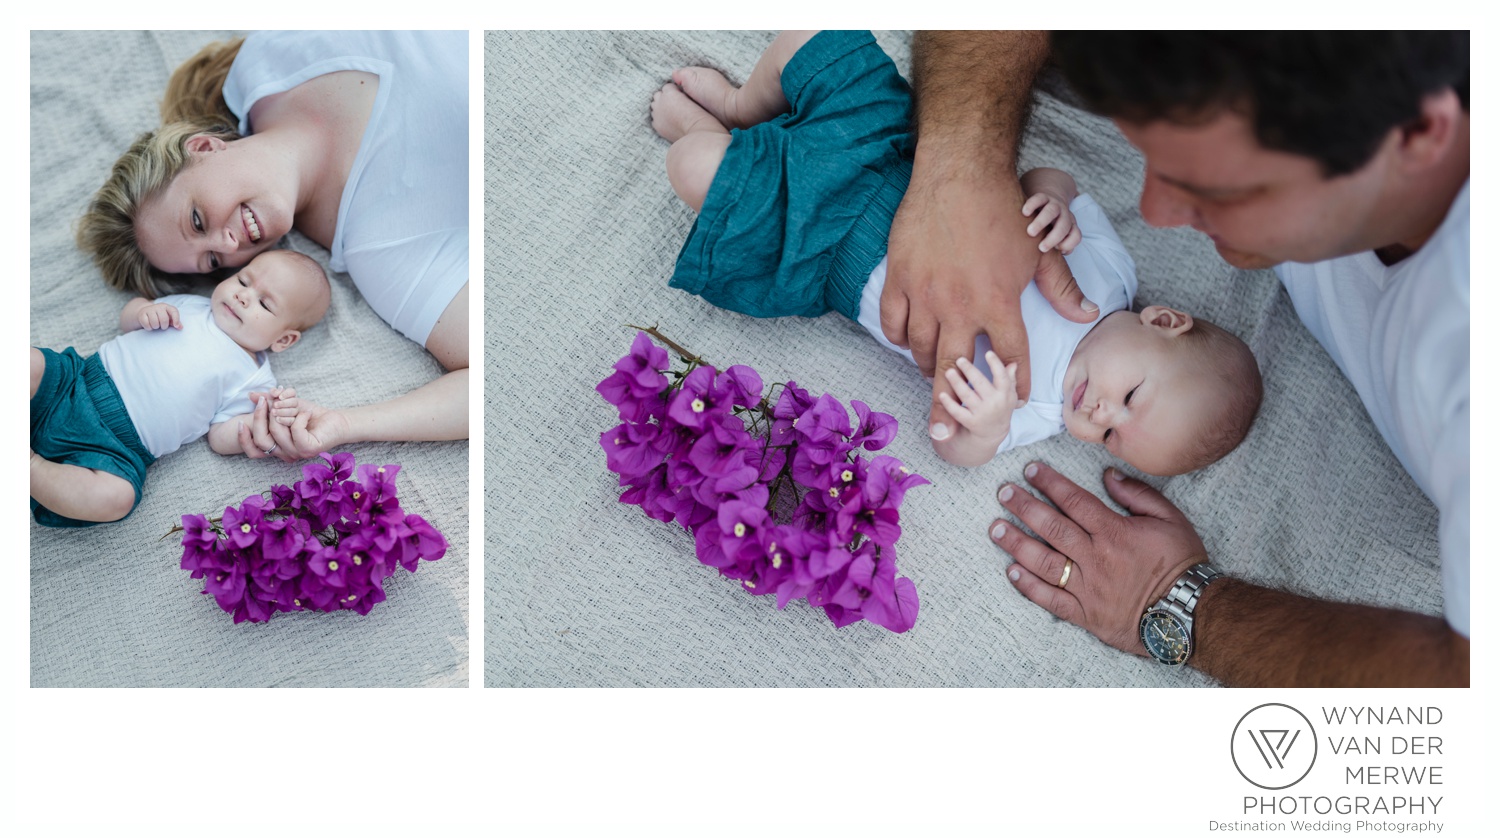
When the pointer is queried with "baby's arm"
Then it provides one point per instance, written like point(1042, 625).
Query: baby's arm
point(224, 437)
point(983, 417)
point(141, 313)
point(1048, 194)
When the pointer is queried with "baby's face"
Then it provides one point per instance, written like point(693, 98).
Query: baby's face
point(1133, 387)
point(261, 306)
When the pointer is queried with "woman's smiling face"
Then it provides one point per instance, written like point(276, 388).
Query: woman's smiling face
point(217, 212)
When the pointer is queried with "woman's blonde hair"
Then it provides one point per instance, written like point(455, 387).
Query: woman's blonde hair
point(193, 104)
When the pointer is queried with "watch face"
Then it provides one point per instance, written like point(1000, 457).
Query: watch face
point(1166, 638)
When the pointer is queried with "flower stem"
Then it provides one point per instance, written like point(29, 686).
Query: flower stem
point(685, 355)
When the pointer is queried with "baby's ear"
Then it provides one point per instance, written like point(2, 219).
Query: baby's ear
point(286, 341)
point(1169, 320)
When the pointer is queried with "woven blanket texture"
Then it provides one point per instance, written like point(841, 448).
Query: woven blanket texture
point(109, 605)
point(581, 233)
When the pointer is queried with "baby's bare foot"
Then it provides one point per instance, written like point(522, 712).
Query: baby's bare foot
point(674, 115)
point(710, 89)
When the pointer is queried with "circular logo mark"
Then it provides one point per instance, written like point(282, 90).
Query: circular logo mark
point(1273, 746)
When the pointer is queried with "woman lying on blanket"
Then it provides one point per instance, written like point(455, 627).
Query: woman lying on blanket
point(358, 140)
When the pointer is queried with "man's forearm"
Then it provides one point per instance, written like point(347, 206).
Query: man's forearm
point(973, 90)
point(1249, 636)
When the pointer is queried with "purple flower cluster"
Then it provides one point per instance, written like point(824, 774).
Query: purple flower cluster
point(772, 488)
point(328, 543)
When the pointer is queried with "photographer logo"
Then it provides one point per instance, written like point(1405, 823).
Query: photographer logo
point(1273, 746)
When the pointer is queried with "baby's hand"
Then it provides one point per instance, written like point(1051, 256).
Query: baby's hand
point(160, 316)
point(284, 404)
point(1052, 210)
point(987, 406)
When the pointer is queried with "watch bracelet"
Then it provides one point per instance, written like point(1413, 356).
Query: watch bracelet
point(1182, 598)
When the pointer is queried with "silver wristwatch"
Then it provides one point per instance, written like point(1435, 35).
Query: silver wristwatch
point(1167, 626)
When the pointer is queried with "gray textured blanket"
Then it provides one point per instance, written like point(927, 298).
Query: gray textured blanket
point(109, 605)
point(582, 230)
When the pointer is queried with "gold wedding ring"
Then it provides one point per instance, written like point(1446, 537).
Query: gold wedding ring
point(1067, 571)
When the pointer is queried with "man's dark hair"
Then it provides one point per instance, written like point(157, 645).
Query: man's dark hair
point(1331, 96)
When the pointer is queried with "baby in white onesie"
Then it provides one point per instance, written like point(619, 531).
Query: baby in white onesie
point(1160, 389)
point(185, 366)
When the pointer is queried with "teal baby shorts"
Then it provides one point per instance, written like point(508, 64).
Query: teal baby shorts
point(78, 418)
point(800, 209)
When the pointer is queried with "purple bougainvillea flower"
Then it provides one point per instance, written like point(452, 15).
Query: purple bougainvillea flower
point(649, 491)
point(630, 449)
point(199, 543)
point(739, 524)
point(326, 543)
point(772, 490)
point(888, 480)
point(697, 402)
point(636, 385)
point(881, 524)
point(874, 430)
point(825, 425)
point(741, 385)
point(240, 523)
point(790, 405)
point(380, 481)
point(424, 543)
point(226, 586)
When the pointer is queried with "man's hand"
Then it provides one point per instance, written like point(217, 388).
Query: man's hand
point(1121, 564)
point(959, 254)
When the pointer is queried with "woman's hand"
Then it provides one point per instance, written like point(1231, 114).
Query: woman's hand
point(291, 428)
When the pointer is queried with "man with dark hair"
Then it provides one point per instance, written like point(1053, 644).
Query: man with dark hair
point(1342, 159)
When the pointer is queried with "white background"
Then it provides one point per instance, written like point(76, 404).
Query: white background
point(670, 762)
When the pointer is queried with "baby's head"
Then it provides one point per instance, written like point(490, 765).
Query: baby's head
point(272, 300)
point(1162, 391)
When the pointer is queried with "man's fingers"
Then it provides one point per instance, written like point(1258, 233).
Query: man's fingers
point(1030, 553)
point(1055, 281)
point(940, 425)
point(1010, 343)
point(1055, 600)
point(923, 341)
point(1140, 498)
point(1052, 526)
point(1078, 504)
point(894, 309)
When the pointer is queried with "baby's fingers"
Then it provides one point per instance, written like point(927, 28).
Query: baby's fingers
point(1005, 376)
point(977, 380)
point(174, 317)
point(1047, 215)
point(1033, 203)
point(961, 414)
point(1061, 230)
point(1071, 241)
